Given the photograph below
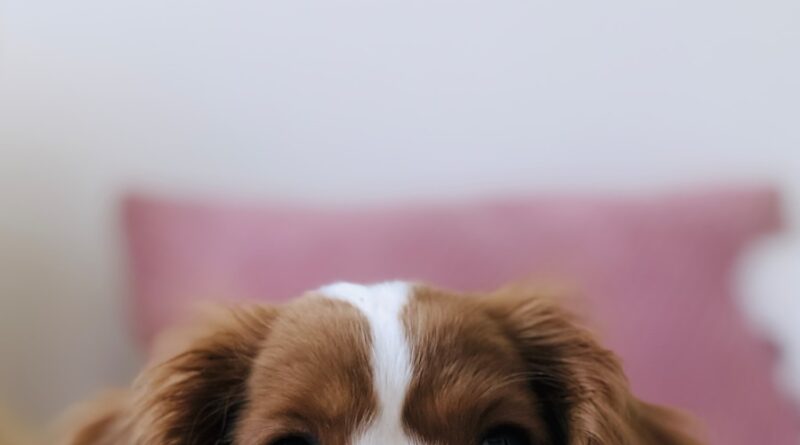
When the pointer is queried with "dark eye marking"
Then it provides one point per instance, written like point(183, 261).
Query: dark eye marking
point(505, 435)
point(295, 439)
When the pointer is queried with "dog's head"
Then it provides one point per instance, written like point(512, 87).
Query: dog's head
point(389, 364)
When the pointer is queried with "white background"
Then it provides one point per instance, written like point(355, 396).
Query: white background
point(360, 101)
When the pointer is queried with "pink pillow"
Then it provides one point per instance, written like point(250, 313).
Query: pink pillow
point(657, 273)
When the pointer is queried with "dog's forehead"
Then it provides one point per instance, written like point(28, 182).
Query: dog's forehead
point(418, 337)
point(382, 305)
point(390, 363)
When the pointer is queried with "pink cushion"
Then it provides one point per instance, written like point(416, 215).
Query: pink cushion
point(657, 273)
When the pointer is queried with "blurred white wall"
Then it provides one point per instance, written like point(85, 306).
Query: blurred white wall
point(359, 101)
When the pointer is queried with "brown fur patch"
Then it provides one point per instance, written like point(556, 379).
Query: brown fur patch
point(197, 396)
point(312, 376)
point(469, 378)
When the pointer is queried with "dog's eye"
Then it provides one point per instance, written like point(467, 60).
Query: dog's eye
point(505, 435)
point(295, 439)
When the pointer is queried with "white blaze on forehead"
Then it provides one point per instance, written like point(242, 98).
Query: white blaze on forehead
point(382, 305)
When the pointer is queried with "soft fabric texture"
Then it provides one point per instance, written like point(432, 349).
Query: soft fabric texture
point(656, 275)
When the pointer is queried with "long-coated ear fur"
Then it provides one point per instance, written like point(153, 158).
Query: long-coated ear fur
point(192, 394)
point(100, 421)
point(584, 391)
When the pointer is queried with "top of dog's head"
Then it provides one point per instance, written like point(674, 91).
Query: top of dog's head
point(388, 364)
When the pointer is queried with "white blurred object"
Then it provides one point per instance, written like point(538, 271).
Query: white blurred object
point(770, 292)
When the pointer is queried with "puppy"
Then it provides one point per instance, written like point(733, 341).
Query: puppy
point(387, 364)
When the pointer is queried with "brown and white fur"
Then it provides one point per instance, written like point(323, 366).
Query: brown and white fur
point(387, 364)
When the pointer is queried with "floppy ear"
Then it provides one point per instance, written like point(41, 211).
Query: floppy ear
point(584, 392)
point(195, 396)
point(102, 421)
